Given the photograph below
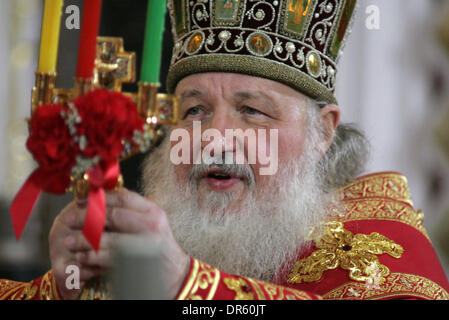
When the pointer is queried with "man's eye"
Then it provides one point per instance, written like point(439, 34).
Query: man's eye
point(252, 111)
point(194, 111)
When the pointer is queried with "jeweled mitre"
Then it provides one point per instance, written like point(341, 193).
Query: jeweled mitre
point(295, 42)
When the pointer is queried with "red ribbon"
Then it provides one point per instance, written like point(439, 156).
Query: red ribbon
point(24, 202)
point(99, 180)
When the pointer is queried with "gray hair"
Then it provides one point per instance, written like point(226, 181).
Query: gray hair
point(347, 155)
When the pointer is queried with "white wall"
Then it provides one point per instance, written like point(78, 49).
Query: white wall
point(19, 39)
point(383, 85)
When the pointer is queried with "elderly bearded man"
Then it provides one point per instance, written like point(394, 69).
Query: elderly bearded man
point(312, 229)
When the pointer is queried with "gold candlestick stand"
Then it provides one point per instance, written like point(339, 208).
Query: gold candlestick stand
point(113, 66)
point(43, 91)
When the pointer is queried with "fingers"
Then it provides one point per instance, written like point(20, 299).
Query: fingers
point(85, 256)
point(74, 219)
point(76, 241)
point(120, 220)
point(127, 221)
point(125, 199)
point(88, 273)
point(96, 261)
point(129, 200)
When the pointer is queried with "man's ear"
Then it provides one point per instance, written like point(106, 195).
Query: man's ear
point(329, 118)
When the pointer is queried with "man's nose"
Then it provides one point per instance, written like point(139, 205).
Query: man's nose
point(220, 122)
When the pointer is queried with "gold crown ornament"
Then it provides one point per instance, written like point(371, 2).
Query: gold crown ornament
point(295, 42)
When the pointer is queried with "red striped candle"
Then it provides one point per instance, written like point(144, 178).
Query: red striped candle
point(90, 25)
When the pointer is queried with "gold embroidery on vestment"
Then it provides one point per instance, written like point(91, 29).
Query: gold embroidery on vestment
point(397, 284)
point(241, 287)
point(338, 247)
point(207, 278)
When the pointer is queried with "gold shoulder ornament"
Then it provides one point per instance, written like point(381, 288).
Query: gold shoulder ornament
point(338, 247)
point(241, 288)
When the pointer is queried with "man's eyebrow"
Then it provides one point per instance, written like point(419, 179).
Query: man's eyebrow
point(252, 95)
point(246, 95)
point(191, 93)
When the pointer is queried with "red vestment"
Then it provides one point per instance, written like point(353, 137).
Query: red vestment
point(377, 249)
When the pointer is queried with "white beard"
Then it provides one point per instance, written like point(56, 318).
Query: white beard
point(268, 231)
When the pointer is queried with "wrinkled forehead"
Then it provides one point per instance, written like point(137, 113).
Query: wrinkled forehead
point(235, 83)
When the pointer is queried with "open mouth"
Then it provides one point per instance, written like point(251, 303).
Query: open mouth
point(220, 180)
point(219, 176)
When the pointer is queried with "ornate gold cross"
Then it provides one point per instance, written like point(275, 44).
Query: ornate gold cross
point(113, 65)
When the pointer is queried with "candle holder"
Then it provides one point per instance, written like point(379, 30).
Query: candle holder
point(80, 186)
point(62, 96)
point(82, 86)
point(156, 108)
point(146, 99)
point(43, 90)
point(113, 66)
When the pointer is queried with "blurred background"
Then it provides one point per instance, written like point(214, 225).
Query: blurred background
point(393, 82)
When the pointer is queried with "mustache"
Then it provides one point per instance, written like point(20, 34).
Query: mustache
point(244, 171)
